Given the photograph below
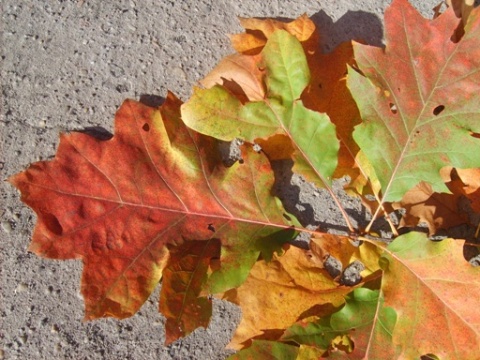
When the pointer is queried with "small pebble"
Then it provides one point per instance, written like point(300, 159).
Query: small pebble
point(22, 287)
point(351, 275)
point(6, 226)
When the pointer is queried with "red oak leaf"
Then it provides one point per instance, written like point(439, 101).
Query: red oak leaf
point(116, 204)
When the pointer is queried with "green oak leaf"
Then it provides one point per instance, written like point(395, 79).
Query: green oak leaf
point(363, 321)
point(217, 112)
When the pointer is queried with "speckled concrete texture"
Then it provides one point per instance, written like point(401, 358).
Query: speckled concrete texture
point(67, 65)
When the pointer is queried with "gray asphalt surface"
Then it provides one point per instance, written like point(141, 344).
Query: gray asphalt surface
point(67, 65)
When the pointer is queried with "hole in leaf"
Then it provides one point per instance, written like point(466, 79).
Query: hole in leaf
point(211, 227)
point(146, 127)
point(393, 108)
point(471, 253)
point(257, 148)
point(438, 110)
point(241, 161)
point(289, 218)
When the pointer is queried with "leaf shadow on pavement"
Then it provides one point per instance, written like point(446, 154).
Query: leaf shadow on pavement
point(353, 25)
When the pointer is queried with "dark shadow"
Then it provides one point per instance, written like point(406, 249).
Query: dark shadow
point(308, 211)
point(319, 310)
point(97, 132)
point(290, 195)
point(154, 101)
point(270, 334)
point(360, 26)
point(471, 251)
point(361, 218)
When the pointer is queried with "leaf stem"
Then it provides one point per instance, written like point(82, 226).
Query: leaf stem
point(319, 174)
point(375, 240)
point(374, 217)
point(387, 218)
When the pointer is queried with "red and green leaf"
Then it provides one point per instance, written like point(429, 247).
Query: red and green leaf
point(431, 286)
point(418, 99)
point(155, 201)
point(117, 204)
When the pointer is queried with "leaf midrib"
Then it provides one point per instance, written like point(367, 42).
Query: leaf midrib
point(162, 209)
point(400, 109)
point(424, 282)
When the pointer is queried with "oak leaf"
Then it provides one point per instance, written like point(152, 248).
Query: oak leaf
point(437, 210)
point(252, 76)
point(431, 286)
point(117, 204)
point(258, 31)
point(418, 99)
point(218, 113)
point(241, 75)
point(419, 294)
point(466, 182)
point(156, 202)
point(327, 93)
point(280, 292)
point(244, 76)
point(182, 282)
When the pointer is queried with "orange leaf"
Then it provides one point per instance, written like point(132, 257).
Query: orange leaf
point(328, 93)
point(467, 183)
point(437, 210)
point(258, 32)
point(116, 204)
point(244, 78)
point(278, 293)
point(183, 278)
point(431, 286)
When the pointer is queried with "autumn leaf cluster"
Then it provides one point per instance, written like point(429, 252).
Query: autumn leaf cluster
point(156, 203)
